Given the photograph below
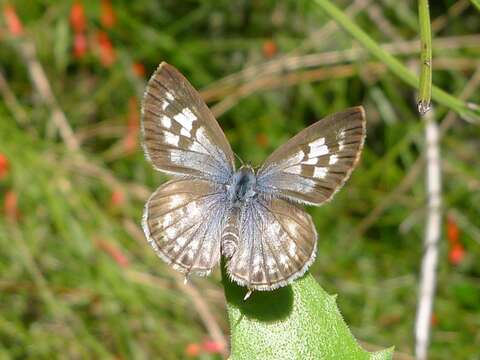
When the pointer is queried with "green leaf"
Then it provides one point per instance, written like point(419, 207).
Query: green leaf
point(299, 321)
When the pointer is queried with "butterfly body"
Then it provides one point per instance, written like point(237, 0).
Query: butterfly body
point(254, 218)
point(242, 188)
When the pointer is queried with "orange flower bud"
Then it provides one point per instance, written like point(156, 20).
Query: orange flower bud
point(14, 25)
point(77, 17)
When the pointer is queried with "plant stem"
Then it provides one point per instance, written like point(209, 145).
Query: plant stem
point(392, 63)
point(425, 84)
point(432, 236)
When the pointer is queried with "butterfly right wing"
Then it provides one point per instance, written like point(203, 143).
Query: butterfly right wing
point(274, 243)
point(313, 165)
point(180, 134)
point(183, 221)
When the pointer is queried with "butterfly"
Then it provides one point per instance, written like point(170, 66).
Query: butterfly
point(253, 217)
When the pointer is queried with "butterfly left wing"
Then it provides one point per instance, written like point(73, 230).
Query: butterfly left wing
point(180, 133)
point(183, 222)
point(275, 245)
point(315, 163)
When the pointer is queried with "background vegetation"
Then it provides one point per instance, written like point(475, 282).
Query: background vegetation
point(78, 280)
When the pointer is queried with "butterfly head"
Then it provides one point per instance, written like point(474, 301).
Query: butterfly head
point(242, 186)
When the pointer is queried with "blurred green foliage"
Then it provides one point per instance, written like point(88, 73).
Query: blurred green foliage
point(77, 278)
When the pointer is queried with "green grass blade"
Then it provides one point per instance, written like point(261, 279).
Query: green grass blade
point(393, 63)
point(425, 84)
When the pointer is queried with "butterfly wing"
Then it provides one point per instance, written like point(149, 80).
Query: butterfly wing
point(277, 244)
point(180, 134)
point(183, 222)
point(315, 163)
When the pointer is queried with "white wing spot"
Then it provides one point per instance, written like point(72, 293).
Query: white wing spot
point(318, 148)
point(171, 139)
point(297, 169)
point(333, 159)
point(171, 233)
point(185, 118)
point(192, 209)
point(283, 260)
point(167, 220)
point(184, 132)
point(311, 161)
point(181, 240)
point(169, 96)
point(164, 104)
point(297, 157)
point(341, 136)
point(176, 200)
point(291, 226)
point(292, 249)
point(270, 263)
point(320, 172)
point(166, 122)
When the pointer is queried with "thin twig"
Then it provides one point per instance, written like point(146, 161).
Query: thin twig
point(432, 237)
point(39, 78)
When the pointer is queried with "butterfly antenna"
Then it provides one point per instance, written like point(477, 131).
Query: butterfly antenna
point(238, 157)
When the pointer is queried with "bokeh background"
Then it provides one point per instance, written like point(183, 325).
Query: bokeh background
point(78, 279)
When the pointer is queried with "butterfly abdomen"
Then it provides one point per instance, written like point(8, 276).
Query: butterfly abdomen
point(230, 235)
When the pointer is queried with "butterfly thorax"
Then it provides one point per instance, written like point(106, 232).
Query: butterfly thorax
point(242, 186)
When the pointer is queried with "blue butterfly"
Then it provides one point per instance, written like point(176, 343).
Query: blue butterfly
point(254, 218)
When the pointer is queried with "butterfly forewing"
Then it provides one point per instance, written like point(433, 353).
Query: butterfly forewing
point(180, 134)
point(316, 162)
point(183, 222)
point(277, 243)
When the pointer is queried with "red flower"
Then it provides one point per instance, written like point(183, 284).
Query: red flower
point(269, 49)
point(10, 206)
point(107, 17)
point(115, 253)
point(192, 350)
point(77, 17)
point(117, 198)
point(133, 126)
point(453, 233)
point(212, 347)
point(80, 45)
point(138, 69)
point(107, 52)
point(262, 140)
point(14, 25)
point(456, 254)
point(4, 166)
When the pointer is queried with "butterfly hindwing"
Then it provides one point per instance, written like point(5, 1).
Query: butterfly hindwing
point(277, 243)
point(316, 162)
point(180, 134)
point(183, 222)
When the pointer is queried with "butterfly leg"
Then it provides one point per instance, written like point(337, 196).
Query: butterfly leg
point(248, 294)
